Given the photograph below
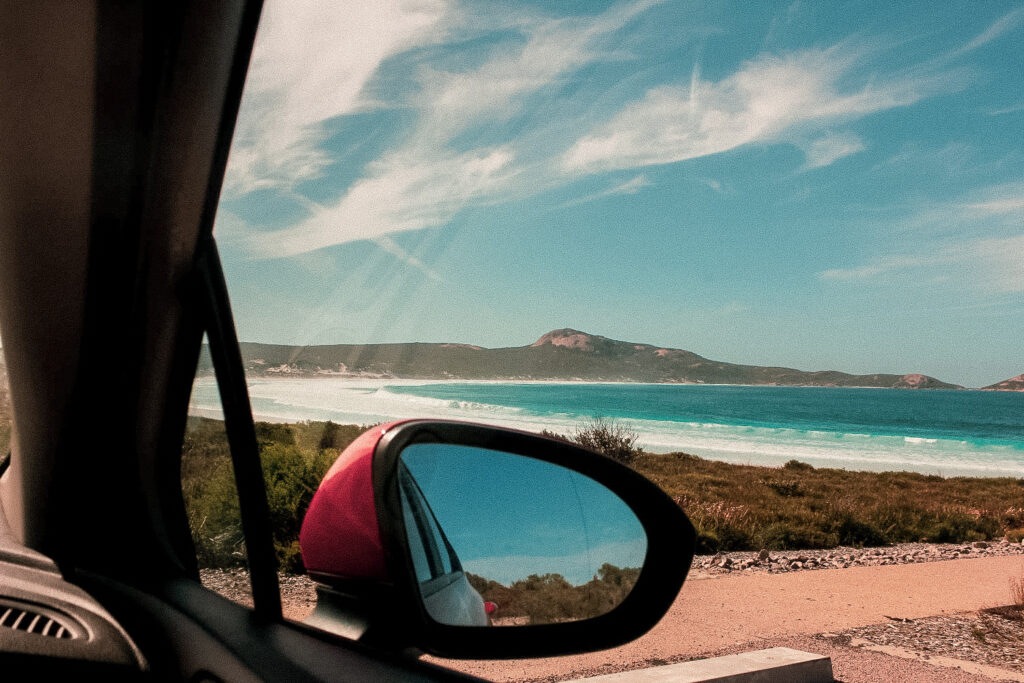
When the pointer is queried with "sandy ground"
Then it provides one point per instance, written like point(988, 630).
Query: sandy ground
point(742, 612)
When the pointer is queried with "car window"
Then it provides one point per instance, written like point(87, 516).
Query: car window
point(769, 257)
point(210, 494)
point(432, 554)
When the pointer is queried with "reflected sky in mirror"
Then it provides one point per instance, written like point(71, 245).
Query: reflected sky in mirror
point(509, 516)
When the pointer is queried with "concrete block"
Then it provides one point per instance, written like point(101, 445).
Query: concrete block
point(775, 665)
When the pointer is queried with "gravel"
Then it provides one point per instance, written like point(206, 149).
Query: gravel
point(992, 637)
point(777, 562)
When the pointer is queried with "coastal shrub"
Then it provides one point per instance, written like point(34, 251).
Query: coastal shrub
point(291, 477)
point(789, 536)
point(787, 488)
point(272, 432)
point(850, 531)
point(707, 542)
point(215, 520)
point(555, 435)
point(609, 438)
point(329, 436)
point(291, 474)
point(734, 537)
point(733, 507)
point(959, 528)
point(549, 598)
point(798, 466)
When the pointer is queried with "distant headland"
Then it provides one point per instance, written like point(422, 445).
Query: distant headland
point(560, 355)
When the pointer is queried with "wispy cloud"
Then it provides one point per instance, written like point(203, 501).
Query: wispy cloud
point(404, 191)
point(990, 260)
point(425, 181)
point(994, 265)
point(714, 184)
point(1007, 110)
point(768, 99)
point(884, 265)
point(303, 75)
point(631, 186)
point(830, 148)
point(1004, 24)
point(1002, 200)
point(455, 150)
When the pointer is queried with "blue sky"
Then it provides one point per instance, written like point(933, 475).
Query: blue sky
point(805, 184)
point(509, 516)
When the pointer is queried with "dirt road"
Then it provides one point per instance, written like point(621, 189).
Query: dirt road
point(711, 615)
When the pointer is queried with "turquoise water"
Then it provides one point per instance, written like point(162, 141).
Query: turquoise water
point(946, 432)
point(935, 432)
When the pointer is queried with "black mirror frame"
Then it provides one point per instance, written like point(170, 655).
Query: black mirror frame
point(671, 541)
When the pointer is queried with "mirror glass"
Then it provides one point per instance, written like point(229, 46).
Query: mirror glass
point(507, 540)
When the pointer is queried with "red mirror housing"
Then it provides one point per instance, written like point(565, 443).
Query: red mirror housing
point(340, 536)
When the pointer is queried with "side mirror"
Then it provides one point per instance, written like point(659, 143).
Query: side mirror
point(471, 541)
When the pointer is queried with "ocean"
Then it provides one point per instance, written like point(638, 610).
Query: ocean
point(950, 433)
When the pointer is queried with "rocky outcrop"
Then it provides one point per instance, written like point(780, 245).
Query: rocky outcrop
point(1012, 384)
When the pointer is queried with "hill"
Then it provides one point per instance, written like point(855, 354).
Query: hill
point(565, 354)
point(1012, 384)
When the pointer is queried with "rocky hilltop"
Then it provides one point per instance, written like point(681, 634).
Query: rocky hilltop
point(566, 354)
point(1012, 384)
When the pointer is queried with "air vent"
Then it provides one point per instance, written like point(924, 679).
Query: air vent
point(31, 619)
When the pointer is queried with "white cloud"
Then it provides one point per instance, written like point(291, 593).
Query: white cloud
point(715, 185)
point(1000, 262)
point(832, 147)
point(766, 100)
point(631, 186)
point(493, 91)
point(990, 260)
point(885, 265)
point(404, 191)
point(993, 265)
point(424, 183)
point(1004, 24)
point(304, 74)
point(1007, 110)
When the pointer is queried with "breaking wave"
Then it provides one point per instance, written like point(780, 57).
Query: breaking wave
point(950, 447)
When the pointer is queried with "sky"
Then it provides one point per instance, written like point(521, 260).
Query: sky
point(812, 185)
point(508, 516)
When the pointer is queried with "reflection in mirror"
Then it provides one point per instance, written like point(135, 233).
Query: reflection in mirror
point(507, 540)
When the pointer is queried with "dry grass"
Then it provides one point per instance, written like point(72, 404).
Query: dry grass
point(743, 507)
point(1017, 592)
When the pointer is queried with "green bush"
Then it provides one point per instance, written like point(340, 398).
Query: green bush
point(858, 533)
point(789, 536)
point(787, 488)
point(549, 598)
point(292, 471)
point(609, 438)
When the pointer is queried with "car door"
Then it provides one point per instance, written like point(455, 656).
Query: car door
point(118, 125)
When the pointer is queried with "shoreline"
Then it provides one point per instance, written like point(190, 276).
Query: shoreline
point(578, 381)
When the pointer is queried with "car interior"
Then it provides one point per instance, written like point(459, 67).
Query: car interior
point(117, 121)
